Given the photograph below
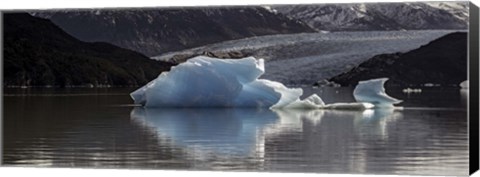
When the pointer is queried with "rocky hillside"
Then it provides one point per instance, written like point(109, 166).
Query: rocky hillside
point(38, 53)
point(380, 16)
point(442, 61)
point(155, 31)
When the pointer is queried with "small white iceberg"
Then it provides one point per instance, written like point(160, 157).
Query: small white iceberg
point(209, 82)
point(372, 91)
point(464, 84)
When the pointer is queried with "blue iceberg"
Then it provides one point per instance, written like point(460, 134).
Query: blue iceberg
point(210, 82)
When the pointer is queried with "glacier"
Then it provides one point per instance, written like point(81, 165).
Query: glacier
point(210, 82)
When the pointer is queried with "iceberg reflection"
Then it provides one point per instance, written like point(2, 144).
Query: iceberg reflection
point(224, 131)
point(373, 123)
point(342, 137)
point(242, 132)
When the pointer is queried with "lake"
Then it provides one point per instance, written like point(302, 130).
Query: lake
point(100, 128)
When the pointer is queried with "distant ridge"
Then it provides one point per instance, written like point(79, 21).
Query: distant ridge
point(380, 16)
point(156, 31)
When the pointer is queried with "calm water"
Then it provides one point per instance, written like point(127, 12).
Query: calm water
point(100, 128)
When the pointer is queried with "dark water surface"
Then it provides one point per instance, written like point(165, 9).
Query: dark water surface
point(101, 128)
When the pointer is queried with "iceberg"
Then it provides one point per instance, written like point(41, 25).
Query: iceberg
point(464, 84)
point(210, 82)
point(372, 91)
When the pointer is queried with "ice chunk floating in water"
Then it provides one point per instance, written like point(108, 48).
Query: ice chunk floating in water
point(372, 91)
point(209, 82)
point(464, 84)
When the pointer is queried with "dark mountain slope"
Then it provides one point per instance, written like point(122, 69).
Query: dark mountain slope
point(442, 61)
point(154, 31)
point(38, 53)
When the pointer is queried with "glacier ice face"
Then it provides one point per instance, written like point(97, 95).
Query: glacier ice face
point(372, 91)
point(209, 82)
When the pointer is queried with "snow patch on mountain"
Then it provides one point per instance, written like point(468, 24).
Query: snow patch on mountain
point(380, 16)
point(458, 9)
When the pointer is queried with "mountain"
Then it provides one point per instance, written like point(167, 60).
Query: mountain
point(457, 9)
point(380, 16)
point(442, 61)
point(38, 53)
point(155, 31)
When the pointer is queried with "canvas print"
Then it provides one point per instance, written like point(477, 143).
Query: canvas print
point(357, 88)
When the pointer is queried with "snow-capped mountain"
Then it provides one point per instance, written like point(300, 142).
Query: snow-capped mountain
point(155, 31)
point(380, 16)
point(458, 9)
